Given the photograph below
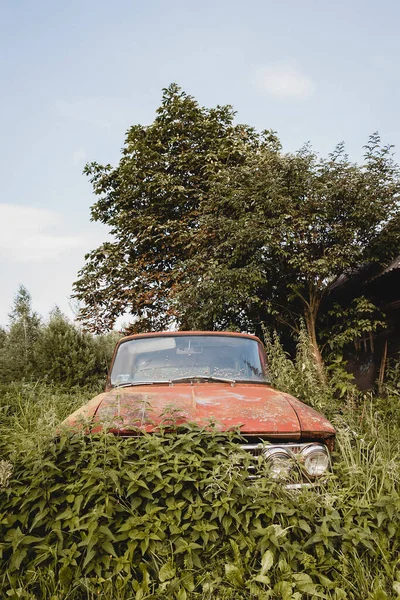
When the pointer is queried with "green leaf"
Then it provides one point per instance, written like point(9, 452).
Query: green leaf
point(284, 589)
point(234, 575)
point(66, 576)
point(108, 547)
point(262, 579)
point(181, 595)
point(267, 561)
point(90, 554)
point(167, 571)
point(304, 583)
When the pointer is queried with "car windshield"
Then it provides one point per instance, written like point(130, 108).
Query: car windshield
point(173, 357)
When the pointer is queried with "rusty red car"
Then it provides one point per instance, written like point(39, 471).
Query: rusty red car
point(210, 377)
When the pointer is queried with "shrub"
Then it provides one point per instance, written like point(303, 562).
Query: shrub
point(173, 516)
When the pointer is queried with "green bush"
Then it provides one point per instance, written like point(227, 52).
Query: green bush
point(56, 351)
point(174, 516)
point(68, 356)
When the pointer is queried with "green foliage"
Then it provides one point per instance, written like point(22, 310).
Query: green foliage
point(30, 412)
point(299, 376)
point(393, 377)
point(171, 516)
point(277, 231)
point(17, 354)
point(216, 228)
point(352, 324)
point(65, 354)
point(174, 516)
point(3, 337)
point(57, 351)
point(300, 221)
point(151, 203)
point(68, 355)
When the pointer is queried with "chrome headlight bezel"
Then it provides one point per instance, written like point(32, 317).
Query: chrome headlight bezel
point(316, 460)
point(280, 460)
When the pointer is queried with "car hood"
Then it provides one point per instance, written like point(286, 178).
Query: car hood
point(255, 408)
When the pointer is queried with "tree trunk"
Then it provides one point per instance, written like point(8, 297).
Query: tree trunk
point(310, 317)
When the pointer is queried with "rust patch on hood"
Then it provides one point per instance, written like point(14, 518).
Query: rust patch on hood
point(255, 409)
point(313, 424)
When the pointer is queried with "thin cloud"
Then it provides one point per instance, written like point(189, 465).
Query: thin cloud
point(27, 235)
point(284, 81)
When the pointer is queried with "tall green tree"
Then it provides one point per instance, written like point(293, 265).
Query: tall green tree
point(17, 354)
point(64, 354)
point(282, 228)
point(150, 201)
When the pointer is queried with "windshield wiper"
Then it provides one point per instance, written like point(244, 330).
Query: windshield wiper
point(203, 378)
point(131, 383)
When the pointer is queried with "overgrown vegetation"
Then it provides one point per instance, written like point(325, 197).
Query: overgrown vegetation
point(173, 515)
point(55, 350)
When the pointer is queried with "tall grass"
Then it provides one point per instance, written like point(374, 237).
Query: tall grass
point(30, 412)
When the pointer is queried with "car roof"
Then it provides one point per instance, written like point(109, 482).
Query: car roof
point(183, 333)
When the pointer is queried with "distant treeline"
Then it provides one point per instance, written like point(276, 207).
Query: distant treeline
point(55, 350)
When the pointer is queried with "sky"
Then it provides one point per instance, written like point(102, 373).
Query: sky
point(76, 75)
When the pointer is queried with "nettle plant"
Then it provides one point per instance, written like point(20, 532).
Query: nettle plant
point(174, 515)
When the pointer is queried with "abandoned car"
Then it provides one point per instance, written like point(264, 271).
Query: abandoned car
point(204, 377)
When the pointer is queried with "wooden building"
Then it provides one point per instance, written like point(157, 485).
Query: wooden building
point(369, 358)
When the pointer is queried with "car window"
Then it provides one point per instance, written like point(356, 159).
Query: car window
point(169, 357)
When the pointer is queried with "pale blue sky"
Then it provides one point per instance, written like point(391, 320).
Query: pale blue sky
point(75, 75)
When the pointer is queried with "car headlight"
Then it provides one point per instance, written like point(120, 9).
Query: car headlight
point(280, 460)
point(316, 460)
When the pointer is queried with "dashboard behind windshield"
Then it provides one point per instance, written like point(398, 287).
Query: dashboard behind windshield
point(165, 358)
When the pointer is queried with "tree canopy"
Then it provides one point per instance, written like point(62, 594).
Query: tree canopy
point(277, 231)
point(216, 227)
point(151, 203)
